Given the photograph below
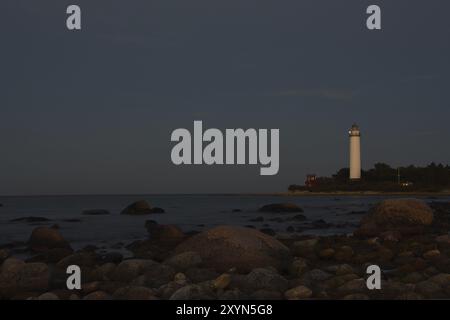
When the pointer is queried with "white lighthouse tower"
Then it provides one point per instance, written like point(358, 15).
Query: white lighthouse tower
point(355, 152)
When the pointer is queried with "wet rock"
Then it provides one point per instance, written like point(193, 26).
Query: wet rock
point(104, 272)
point(52, 255)
point(140, 208)
point(128, 270)
point(155, 276)
point(410, 296)
point(344, 253)
point(340, 280)
point(304, 247)
point(343, 269)
point(234, 294)
point(222, 282)
point(281, 208)
point(298, 293)
point(83, 259)
point(405, 216)
point(201, 274)
point(327, 253)
point(413, 277)
point(431, 254)
point(193, 292)
point(17, 277)
point(168, 234)
point(48, 296)
point(315, 276)
point(261, 278)
point(353, 286)
point(428, 289)
point(184, 261)
point(97, 295)
point(95, 212)
point(225, 247)
point(442, 279)
point(44, 238)
point(134, 293)
point(4, 254)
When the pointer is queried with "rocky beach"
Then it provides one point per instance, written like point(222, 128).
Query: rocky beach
point(407, 238)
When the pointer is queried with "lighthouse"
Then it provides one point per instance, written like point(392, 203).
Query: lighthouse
point(355, 152)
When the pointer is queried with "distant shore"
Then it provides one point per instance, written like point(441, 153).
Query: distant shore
point(355, 193)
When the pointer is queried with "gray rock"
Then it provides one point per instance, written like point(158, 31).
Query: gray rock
point(266, 279)
point(193, 292)
point(184, 261)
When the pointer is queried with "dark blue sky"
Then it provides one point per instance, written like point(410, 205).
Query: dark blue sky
point(92, 111)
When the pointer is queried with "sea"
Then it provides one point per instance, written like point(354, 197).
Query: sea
point(325, 215)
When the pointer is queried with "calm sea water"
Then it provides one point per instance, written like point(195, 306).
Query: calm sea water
point(190, 212)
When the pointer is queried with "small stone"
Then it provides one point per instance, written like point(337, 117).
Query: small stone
point(298, 267)
point(428, 288)
point(48, 296)
point(97, 295)
point(353, 286)
point(344, 253)
point(356, 296)
point(180, 278)
point(222, 282)
point(431, 254)
point(413, 277)
point(262, 278)
point(193, 292)
point(298, 293)
point(442, 279)
point(327, 253)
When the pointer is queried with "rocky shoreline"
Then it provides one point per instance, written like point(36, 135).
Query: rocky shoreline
point(408, 239)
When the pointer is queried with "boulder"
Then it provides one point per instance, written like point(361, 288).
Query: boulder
point(17, 277)
point(404, 216)
point(44, 238)
point(281, 208)
point(225, 247)
point(164, 233)
point(141, 207)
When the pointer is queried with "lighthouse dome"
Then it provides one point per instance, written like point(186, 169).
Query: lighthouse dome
point(354, 130)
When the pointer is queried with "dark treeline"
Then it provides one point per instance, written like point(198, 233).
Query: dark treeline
point(382, 177)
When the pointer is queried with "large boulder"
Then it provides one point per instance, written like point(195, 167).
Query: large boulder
point(44, 238)
point(226, 247)
point(281, 208)
point(169, 234)
point(402, 216)
point(141, 207)
point(17, 276)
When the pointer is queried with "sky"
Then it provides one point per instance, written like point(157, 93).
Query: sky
point(92, 111)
